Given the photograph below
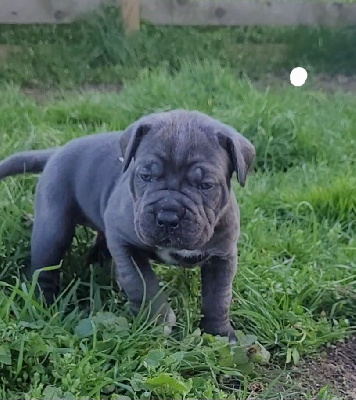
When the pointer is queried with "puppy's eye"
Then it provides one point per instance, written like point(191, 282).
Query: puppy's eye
point(146, 176)
point(205, 186)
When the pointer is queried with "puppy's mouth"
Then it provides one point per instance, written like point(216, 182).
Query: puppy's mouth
point(167, 238)
point(176, 242)
point(187, 233)
point(167, 242)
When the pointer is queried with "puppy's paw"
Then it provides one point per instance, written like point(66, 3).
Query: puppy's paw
point(169, 322)
point(232, 336)
point(219, 328)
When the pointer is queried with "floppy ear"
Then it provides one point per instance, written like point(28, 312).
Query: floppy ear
point(241, 152)
point(130, 140)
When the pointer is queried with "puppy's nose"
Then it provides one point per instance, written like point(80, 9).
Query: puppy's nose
point(169, 219)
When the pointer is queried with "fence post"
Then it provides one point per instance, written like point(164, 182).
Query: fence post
point(130, 14)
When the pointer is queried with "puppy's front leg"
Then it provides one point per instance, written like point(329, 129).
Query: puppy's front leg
point(135, 276)
point(217, 278)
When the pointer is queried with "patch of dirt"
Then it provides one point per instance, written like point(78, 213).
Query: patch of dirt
point(6, 50)
point(337, 83)
point(326, 83)
point(336, 369)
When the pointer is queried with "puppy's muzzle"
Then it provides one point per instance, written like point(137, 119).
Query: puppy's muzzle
point(168, 214)
point(167, 219)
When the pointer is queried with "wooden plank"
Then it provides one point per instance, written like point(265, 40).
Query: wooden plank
point(246, 13)
point(45, 11)
point(130, 14)
point(185, 12)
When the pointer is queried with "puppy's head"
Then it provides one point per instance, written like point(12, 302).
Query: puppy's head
point(180, 165)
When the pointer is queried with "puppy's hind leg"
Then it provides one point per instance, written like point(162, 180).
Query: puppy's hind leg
point(52, 234)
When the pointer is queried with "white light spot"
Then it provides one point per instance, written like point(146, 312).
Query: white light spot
point(298, 76)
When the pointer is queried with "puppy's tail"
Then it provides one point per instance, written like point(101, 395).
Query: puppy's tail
point(32, 161)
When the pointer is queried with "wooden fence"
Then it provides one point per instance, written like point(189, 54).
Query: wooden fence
point(184, 12)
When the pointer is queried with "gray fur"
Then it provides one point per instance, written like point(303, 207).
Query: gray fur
point(148, 191)
point(27, 161)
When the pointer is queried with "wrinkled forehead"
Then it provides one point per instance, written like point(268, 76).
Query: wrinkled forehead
point(182, 144)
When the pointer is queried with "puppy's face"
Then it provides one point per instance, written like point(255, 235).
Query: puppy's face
point(179, 189)
point(179, 179)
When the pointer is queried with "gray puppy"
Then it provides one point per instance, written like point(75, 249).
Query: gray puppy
point(158, 190)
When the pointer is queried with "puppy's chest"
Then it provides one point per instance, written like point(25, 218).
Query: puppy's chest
point(184, 258)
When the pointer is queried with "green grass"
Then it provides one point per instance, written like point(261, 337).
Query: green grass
point(296, 285)
point(95, 50)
